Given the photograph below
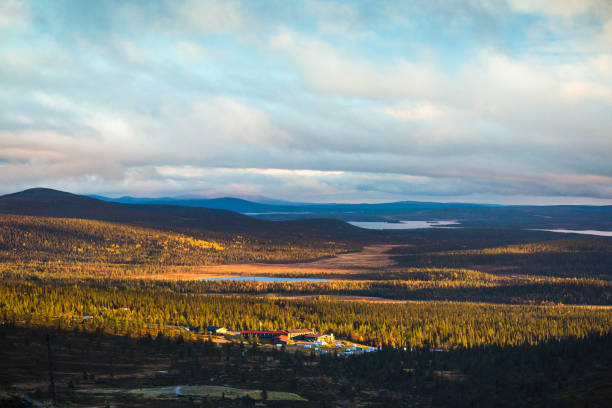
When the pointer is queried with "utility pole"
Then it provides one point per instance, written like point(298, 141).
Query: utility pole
point(51, 379)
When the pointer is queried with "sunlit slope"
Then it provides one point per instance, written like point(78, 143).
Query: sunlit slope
point(29, 239)
point(581, 257)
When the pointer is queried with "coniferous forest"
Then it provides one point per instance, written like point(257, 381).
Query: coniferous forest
point(461, 317)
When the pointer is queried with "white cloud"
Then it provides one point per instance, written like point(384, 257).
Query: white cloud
point(603, 64)
point(132, 52)
point(199, 172)
point(296, 173)
point(230, 123)
point(562, 8)
point(333, 17)
point(606, 34)
point(56, 101)
point(191, 49)
point(31, 61)
point(418, 112)
point(580, 90)
point(501, 84)
point(14, 13)
point(215, 16)
point(329, 71)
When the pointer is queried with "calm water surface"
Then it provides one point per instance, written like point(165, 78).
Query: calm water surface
point(402, 224)
point(585, 232)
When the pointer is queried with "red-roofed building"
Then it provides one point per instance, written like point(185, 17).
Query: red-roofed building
point(281, 339)
point(263, 334)
point(298, 332)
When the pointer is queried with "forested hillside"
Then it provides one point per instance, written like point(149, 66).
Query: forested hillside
point(37, 240)
point(52, 203)
point(585, 257)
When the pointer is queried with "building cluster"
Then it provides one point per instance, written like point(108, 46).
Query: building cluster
point(300, 338)
point(273, 336)
point(288, 336)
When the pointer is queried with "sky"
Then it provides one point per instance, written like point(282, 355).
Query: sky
point(499, 101)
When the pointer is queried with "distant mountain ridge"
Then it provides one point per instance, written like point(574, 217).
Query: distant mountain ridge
point(576, 217)
point(223, 203)
point(53, 203)
point(246, 206)
point(231, 214)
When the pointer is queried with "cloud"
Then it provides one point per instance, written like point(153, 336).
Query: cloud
point(329, 71)
point(606, 34)
point(191, 49)
point(333, 17)
point(603, 64)
point(423, 111)
point(131, 51)
point(14, 13)
point(208, 126)
point(448, 99)
point(562, 8)
point(215, 16)
point(576, 91)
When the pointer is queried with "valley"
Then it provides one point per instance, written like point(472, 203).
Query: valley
point(343, 264)
point(442, 308)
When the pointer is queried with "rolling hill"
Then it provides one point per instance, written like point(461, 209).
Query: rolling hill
point(53, 203)
point(304, 210)
point(578, 217)
point(237, 215)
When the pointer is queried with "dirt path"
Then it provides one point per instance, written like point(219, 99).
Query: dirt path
point(370, 257)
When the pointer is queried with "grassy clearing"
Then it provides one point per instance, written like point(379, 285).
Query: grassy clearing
point(213, 391)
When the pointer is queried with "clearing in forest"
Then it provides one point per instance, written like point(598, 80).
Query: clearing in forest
point(370, 257)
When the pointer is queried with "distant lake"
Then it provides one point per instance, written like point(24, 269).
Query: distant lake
point(585, 232)
point(278, 213)
point(402, 224)
point(262, 279)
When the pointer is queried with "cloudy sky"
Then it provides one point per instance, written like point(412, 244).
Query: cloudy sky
point(504, 101)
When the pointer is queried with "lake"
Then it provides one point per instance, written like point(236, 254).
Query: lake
point(585, 232)
point(402, 224)
point(262, 279)
point(278, 213)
